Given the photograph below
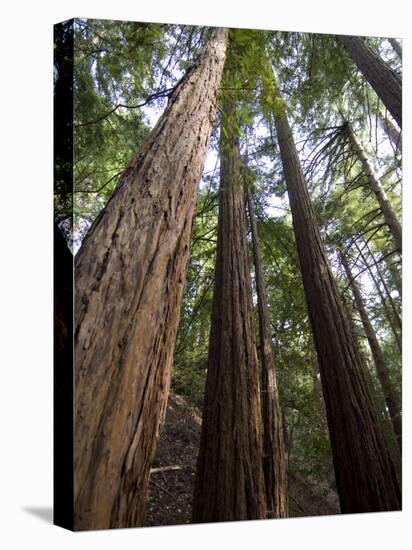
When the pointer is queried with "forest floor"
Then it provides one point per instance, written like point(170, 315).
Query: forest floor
point(171, 491)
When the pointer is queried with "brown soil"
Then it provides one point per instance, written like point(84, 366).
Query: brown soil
point(170, 492)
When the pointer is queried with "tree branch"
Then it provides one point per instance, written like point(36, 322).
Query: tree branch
point(150, 98)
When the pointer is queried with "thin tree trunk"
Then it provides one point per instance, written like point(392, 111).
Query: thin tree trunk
point(317, 388)
point(383, 300)
point(130, 274)
point(384, 80)
point(391, 312)
point(229, 481)
point(274, 451)
point(395, 137)
point(388, 298)
point(388, 390)
point(396, 47)
point(377, 396)
point(375, 184)
point(396, 275)
point(365, 476)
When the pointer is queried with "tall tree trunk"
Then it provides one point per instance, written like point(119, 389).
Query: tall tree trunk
point(229, 481)
point(358, 335)
point(274, 451)
point(365, 476)
point(130, 275)
point(395, 137)
point(388, 390)
point(396, 47)
point(384, 80)
point(376, 186)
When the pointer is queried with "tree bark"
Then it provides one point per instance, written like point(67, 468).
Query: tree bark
point(365, 475)
point(396, 275)
point(375, 184)
point(388, 390)
point(274, 451)
point(395, 137)
point(130, 275)
point(384, 80)
point(229, 482)
point(396, 47)
point(358, 334)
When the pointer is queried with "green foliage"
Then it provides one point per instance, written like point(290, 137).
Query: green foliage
point(310, 77)
point(189, 380)
point(308, 442)
point(117, 63)
point(190, 360)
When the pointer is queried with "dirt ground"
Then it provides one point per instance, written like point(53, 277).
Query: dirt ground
point(171, 491)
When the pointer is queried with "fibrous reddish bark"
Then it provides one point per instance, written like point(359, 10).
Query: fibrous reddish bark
point(365, 476)
point(274, 451)
point(130, 275)
point(229, 481)
point(384, 80)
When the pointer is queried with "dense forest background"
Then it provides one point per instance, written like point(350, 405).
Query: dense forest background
point(348, 142)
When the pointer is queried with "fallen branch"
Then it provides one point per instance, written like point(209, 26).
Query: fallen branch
point(164, 469)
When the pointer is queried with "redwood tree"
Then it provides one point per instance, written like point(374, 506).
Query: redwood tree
point(383, 79)
point(365, 476)
point(130, 274)
point(229, 482)
point(274, 451)
point(395, 137)
point(388, 389)
point(396, 47)
point(388, 303)
point(375, 184)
